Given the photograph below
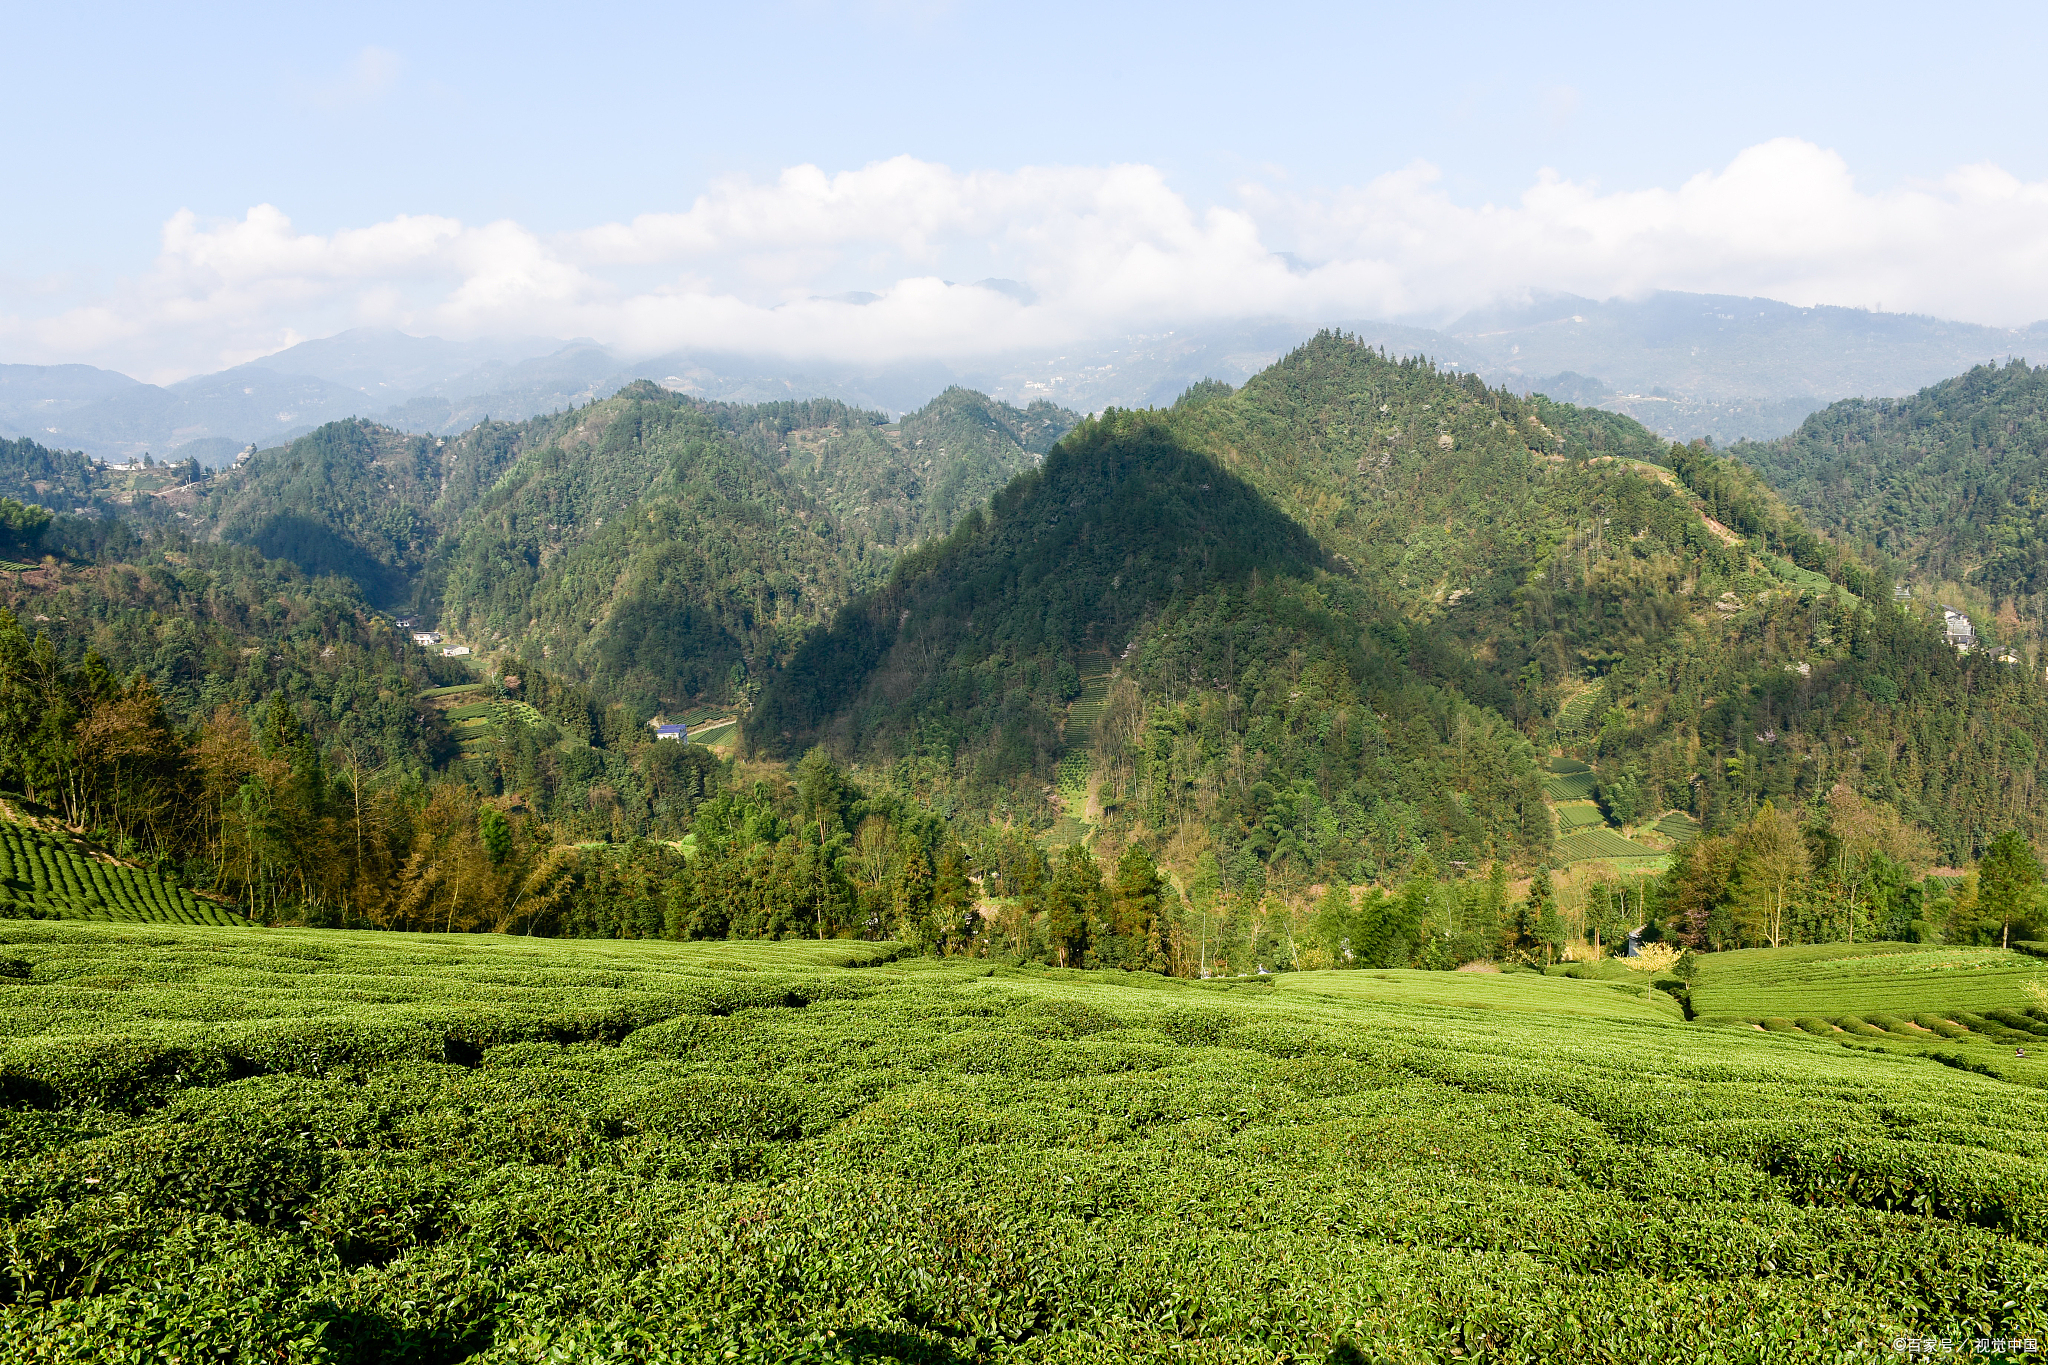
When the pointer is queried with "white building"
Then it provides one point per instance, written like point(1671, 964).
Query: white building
point(1958, 630)
point(425, 637)
point(455, 652)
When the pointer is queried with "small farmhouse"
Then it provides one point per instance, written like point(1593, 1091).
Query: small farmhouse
point(675, 732)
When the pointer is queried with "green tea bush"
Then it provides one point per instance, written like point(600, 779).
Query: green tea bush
point(348, 1147)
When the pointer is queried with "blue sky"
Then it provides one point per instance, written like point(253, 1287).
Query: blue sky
point(564, 121)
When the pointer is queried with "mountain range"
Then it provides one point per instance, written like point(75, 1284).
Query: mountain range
point(1354, 610)
point(1685, 365)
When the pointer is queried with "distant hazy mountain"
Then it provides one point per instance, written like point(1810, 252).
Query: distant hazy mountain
point(385, 362)
point(129, 419)
point(1713, 346)
point(1684, 365)
point(267, 401)
point(1709, 364)
point(34, 397)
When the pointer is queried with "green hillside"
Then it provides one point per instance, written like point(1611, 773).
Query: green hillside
point(1128, 539)
point(896, 483)
point(642, 550)
point(214, 626)
point(66, 481)
point(1947, 479)
point(323, 1146)
point(361, 501)
point(1671, 623)
point(660, 548)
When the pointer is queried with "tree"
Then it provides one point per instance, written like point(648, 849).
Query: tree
point(1134, 911)
point(910, 896)
point(1072, 904)
point(1865, 832)
point(822, 795)
point(2006, 878)
point(1331, 927)
point(1774, 864)
point(497, 834)
point(1539, 923)
point(136, 773)
point(953, 908)
point(1273, 948)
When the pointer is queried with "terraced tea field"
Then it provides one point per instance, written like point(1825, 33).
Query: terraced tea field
point(1835, 980)
point(717, 732)
point(1573, 816)
point(1577, 714)
point(306, 1146)
point(51, 876)
point(1607, 845)
point(1073, 775)
point(1628, 996)
point(1569, 780)
point(1677, 826)
point(1983, 1008)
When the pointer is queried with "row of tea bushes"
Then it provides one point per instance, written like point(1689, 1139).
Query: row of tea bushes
point(348, 1147)
point(49, 876)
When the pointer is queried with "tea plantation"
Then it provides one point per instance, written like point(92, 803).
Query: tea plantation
point(327, 1146)
point(45, 875)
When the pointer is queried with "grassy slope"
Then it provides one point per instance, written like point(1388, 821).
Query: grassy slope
point(425, 1156)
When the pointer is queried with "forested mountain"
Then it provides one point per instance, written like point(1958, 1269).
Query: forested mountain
point(1264, 673)
point(1670, 622)
point(640, 547)
point(1952, 480)
point(361, 501)
point(215, 626)
point(1358, 620)
point(67, 481)
point(663, 549)
point(896, 483)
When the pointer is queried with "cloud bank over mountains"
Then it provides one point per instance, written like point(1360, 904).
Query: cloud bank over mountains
point(857, 266)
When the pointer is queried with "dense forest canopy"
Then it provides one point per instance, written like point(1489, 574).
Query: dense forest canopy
point(1949, 480)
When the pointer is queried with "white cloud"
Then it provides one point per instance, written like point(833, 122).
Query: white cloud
point(1105, 249)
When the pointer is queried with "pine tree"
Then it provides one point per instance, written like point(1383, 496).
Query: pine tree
point(953, 906)
point(1134, 911)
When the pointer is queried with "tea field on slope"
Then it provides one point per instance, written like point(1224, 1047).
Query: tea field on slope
point(1979, 1007)
point(333, 1146)
point(1836, 980)
point(1521, 992)
point(49, 875)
